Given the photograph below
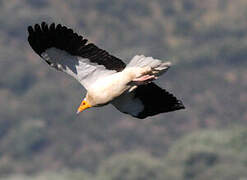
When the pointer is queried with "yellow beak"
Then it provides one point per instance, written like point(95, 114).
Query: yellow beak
point(84, 105)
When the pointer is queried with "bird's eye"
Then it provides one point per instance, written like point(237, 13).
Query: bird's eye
point(83, 103)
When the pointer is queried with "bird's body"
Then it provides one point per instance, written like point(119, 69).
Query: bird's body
point(117, 83)
point(106, 89)
point(106, 78)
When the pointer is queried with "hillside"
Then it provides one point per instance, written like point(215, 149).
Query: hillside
point(39, 129)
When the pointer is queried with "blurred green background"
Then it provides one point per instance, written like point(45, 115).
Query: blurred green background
point(42, 138)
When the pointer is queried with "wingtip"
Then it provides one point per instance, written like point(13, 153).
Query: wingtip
point(181, 105)
point(52, 26)
point(43, 23)
point(30, 29)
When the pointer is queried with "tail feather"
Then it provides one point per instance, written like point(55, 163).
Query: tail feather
point(149, 67)
point(157, 66)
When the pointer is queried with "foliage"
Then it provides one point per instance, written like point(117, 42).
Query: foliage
point(210, 154)
point(131, 166)
point(206, 42)
point(63, 175)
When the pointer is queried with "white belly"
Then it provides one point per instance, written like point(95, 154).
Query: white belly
point(106, 89)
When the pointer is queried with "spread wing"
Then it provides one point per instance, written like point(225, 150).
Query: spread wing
point(147, 100)
point(69, 52)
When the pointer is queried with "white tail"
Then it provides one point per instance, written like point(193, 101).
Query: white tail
point(146, 69)
point(157, 66)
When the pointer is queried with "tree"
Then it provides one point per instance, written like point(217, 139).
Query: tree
point(209, 154)
point(131, 166)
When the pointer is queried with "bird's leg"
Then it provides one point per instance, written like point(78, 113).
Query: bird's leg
point(144, 76)
point(144, 79)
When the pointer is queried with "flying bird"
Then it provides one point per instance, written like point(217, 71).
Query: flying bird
point(107, 79)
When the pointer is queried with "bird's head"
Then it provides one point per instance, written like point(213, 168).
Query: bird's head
point(84, 105)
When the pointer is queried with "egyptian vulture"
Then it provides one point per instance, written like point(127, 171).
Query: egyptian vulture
point(107, 79)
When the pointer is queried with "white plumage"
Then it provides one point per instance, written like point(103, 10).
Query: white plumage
point(79, 68)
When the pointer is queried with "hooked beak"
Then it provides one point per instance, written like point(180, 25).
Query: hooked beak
point(84, 105)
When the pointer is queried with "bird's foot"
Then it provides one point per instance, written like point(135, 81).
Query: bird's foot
point(144, 79)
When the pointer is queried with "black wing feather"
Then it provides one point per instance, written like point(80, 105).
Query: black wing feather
point(42, 37)
point(156, 100)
